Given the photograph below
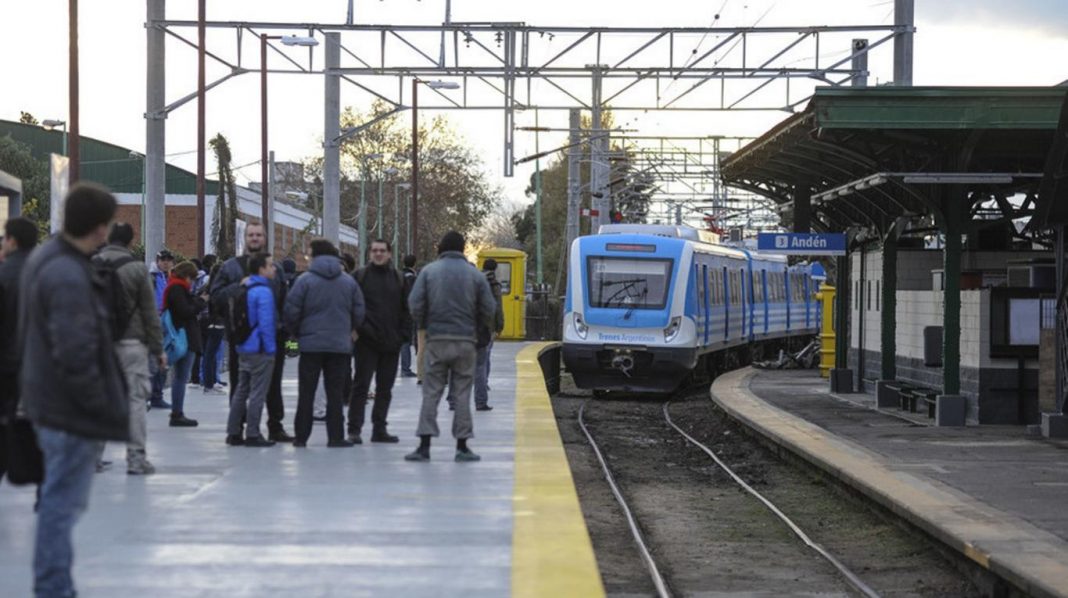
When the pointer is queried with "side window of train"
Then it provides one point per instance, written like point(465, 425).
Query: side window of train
point(746, 294)
point(758, 287)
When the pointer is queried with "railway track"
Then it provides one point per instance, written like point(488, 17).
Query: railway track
point(656, 571)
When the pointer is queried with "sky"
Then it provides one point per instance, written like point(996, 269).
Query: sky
point(958, 42)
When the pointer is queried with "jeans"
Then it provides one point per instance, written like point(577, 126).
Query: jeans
point(209, 374)
point(382, 366)
point(406, 358)
point(451, 362)
point(181, 378)
point(335, 370)
point(70, 462)
point(159, 378)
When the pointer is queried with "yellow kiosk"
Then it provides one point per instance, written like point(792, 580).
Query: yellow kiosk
point(512, 274)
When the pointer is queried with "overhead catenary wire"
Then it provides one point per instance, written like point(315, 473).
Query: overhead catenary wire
point(851, 577)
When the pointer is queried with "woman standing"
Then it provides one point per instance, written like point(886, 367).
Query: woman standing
point(183, 306)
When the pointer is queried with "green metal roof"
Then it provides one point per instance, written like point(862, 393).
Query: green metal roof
point(102, 162)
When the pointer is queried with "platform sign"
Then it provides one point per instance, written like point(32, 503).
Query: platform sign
point(802, 243)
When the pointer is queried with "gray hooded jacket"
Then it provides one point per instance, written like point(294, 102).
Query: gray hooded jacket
point(324, 307)
point(451, 298)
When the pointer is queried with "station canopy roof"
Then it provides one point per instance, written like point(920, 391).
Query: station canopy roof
point(868, 155)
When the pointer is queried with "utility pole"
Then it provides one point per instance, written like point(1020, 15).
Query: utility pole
point(904, 13)
point(272, 176)
point(202, 140)
point(74, 151)
point(860, 63)
point(598, 157)
point(574, 178)
point(331, 216)
point(537, 195)
point(155, 130)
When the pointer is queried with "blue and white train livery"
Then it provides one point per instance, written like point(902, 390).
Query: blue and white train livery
point(649, 306)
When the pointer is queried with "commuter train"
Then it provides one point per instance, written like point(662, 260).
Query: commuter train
point(651, 307)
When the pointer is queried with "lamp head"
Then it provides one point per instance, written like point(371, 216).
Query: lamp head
point(297, 40)
point(443, 85)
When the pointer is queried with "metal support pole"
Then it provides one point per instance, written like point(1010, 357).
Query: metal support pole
point(74, 164)
point(408, 227)
point(509, 102)
point(954, 210)
point(904, 13)
point(202, 141)
point(331, 216)
point(1061, 254)
point(802, 208)
point(363, 245)
point(378, 213)
point(860, 63)
point(598, 159)
point(888, 346)
point(396, 218)
point(155, 131)
point(841, 376)
point(265, 219)
point(537, 195)
point(678, 214)
point(413, 213)
point(574, 179)
point(270, 202)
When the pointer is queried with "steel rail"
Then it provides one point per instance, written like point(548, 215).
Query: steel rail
point(851, 577)
point(650, 564)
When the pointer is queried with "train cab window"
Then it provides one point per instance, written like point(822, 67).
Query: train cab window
point(628, 282)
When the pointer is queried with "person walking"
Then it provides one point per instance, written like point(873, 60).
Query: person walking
point(214, 329)
point(140, 341)
point(71, 383)
point(20, 237)
point(406, 349)
point(385, 328)
point(486, 337)
point(323, 310)
point(450, 300)
point(183, 307)
point(160, 271)
point(227, 285)
point(255, 356)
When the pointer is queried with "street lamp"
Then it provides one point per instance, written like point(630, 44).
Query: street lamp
point(413, 216)
point(396, 213)
point(288, 40)
point(51, 125)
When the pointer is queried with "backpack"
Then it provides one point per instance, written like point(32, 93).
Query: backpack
point(175, 342)
point(119, 305)
point(238, 327)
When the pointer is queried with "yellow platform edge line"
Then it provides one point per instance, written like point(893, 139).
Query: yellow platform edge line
point(551, 550)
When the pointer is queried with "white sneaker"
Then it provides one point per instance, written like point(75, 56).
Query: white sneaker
point(214, 391)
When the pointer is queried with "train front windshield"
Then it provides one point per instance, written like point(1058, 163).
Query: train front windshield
point(629, 283)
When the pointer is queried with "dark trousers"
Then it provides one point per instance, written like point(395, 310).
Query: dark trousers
point(336, 369)
point(276, 409)
point(208, 373)
point(8, 400)
point(382, 366)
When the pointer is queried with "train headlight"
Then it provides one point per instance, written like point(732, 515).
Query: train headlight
point(581, 328)
point(673, 329)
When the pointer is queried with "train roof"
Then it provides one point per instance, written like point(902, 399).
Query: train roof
point(662, 230)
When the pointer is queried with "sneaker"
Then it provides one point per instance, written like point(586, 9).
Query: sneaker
point(140, 467)
point(235, 440)
point(354, 438)
point(179, 420)
point(381, 435)
point(160, 404)
point(300, 443)
point(214, 391)
point(258, 442)
point(280, 436)
point(417, 455)
point(319, 417)
point(483, 408)
point(339, 444)
point(102, 466)
point(408, 374)
point(466, 456)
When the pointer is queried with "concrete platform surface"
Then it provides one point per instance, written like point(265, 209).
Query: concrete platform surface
point(996, 494)
point(281, 521)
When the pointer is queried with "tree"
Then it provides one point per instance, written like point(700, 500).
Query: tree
point(454, 193)
point(27, 119)
point(224, 221)
point(17, 160)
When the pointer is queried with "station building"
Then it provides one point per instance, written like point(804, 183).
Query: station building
point(947, 295)
point(122, 171)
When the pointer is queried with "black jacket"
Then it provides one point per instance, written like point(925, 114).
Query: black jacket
point(70, 378)
point(10, 271)
point(387, 323)
point(185, 308)
point(228, 283)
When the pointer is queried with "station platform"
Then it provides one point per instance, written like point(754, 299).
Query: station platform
point(318, 522)
point(994, 493)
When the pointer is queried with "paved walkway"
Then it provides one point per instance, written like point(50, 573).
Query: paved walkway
point(995, 493)
point(235, 521)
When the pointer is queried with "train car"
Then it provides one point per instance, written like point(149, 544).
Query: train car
point(649, 307)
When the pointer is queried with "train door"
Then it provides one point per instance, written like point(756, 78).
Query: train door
point(706, 299)
point(725, 286)
point(786, 293)
point(765, 298)
point(743, 300)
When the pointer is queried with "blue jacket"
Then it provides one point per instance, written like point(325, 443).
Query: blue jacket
point(159, 283)
point(261, 312)
point(324, 307)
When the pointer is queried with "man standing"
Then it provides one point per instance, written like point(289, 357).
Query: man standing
point(486, 337)
point(255, 356)
point(324, 309)
point(385, 328)
point(406, 349)
point(141, 341)
point(227, 285)
point(160, 273)
point(20, 237)
point(71, 380)
point(450, 300)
